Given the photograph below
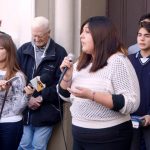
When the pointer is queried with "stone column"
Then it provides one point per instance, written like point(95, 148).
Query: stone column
point(64, 27)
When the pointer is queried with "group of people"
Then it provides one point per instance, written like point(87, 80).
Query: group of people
point(105, 86)
point(40, 109)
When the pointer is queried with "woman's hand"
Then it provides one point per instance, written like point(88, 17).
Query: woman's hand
point(104, 99)
point(81, 92)
point(4, 85)
point(67, 63)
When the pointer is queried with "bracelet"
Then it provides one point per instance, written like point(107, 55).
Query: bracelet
point(93, 95)
point(67, 80)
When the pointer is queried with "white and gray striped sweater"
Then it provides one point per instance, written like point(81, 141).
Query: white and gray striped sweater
point(15, 101)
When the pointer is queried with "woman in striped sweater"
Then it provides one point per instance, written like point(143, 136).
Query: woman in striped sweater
point(12, 98)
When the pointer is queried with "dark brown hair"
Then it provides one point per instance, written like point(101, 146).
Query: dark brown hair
point(11, 60)
point(145, 25)
point(143, 17)
point(106, 43)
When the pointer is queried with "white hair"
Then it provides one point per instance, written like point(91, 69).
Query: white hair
point(41, 22)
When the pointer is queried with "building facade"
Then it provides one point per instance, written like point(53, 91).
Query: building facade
point(66, 17)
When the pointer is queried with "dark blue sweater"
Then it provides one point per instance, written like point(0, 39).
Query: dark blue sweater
point(143, 73)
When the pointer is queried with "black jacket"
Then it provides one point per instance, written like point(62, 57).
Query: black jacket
point(47, 114)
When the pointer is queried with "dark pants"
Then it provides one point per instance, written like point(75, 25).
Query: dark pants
point(10, 135)
point(113, 138)
point(141, 139)
point(120, 145)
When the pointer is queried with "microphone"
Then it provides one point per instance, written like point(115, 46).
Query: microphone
point(45, 79)
point(71, 58)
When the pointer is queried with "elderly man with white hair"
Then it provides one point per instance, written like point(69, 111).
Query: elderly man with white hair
point(39, 57)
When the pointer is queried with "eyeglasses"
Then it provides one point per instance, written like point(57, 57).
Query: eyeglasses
point(40, 36)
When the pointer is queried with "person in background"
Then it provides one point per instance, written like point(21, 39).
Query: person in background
point(135, 48)
point(41, 56)
point(141, 63)
point(12, 98)
point(104, 89)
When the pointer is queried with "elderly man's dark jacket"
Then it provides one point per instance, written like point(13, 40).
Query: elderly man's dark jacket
point(48, 113)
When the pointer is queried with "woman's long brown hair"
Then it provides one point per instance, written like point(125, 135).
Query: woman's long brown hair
point(106, 43)
point(11, 60)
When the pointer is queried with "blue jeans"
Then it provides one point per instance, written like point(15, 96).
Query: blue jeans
point(35, 138)
point(10, 135)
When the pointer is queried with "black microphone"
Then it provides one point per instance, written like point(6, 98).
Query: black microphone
point(45, 79)
point(70, 57)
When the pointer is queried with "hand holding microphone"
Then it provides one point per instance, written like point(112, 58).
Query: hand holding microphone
point(38, 83)
point(67, 68)
point(29, 90)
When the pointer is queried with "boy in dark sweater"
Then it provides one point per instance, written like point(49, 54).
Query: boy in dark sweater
point(141, 63)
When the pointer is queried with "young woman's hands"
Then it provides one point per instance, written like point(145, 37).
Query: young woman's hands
point(81, 92)
point(4, 85)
